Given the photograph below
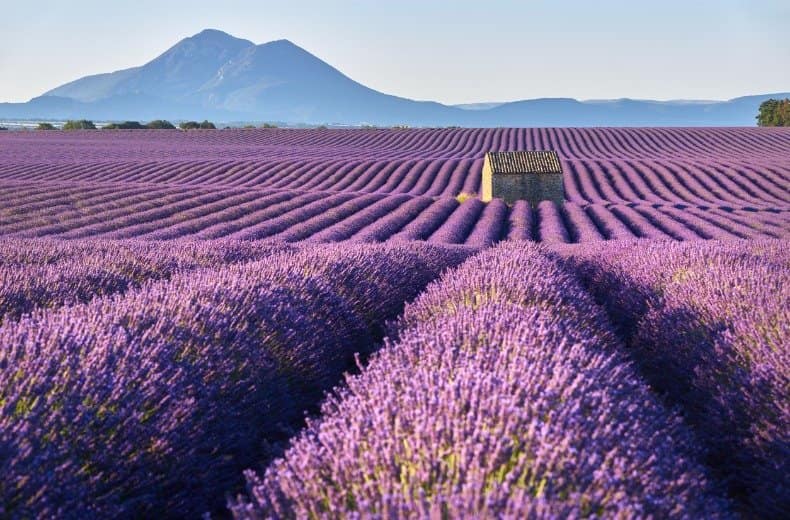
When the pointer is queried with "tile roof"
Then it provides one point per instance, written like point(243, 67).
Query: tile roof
point(540, 161)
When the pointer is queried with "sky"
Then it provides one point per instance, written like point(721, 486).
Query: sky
point(449, 51)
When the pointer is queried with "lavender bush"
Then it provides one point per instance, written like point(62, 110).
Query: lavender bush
point(504, 393)
point(152, 402)
point(42, 273)
point(708, 325)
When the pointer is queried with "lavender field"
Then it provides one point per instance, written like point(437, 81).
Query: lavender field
point(331, 324)
point(377, 185)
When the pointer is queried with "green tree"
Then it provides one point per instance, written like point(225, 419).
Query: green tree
point(269, 125)
point(160, 124)
point(126, 125)
point(774, 112)
point(46, 126)
point(80, 124)
point(193, 125)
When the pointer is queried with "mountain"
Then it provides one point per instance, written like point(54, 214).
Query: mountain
point(181, 70)
point(217, 76)
point(214, 75)
point(479, 106)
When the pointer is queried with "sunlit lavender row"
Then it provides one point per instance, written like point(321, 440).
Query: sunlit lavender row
point(152, 402)
point(43, 274)
point(503, 392)
point(708, 325)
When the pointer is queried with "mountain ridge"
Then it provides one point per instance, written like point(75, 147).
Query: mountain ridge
point(215, 75)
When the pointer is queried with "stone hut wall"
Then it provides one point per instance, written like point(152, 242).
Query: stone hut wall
point(532, 187)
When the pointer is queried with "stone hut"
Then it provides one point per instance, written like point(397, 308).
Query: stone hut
point(525, 175)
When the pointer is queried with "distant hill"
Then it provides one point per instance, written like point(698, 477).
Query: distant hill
point(739, 111)
point(217, 76)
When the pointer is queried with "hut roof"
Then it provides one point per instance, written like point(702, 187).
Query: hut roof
point(540, 161)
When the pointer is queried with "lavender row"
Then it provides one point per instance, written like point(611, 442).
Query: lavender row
point(151, 403)
point(504, 393)
point(708, 325)
point(46, 273)
point(700, 183)
point(342, 214)
point(427, 221)
point(691, 144)
point(388, 225)
point(361, 220)
point(180, 212)
point(459, 224)
point(63, 206)
point(491, 227)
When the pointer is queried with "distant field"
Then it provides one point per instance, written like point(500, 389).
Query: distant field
point(377, 185)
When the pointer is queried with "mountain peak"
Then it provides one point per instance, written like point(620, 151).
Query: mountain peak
point(209, 32)
point(281, 45)
point(215, 37)
point(282, 41)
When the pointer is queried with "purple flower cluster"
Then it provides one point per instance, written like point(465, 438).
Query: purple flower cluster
point(46, 273)
point(708, 324)
point(581, 227)
point(551, 227)
point(152, 402)
point(520, 221)
point(502, 393)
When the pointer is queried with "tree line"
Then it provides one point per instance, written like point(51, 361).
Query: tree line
point(158, 124)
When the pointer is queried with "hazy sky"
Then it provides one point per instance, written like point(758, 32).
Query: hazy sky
point(449, 51)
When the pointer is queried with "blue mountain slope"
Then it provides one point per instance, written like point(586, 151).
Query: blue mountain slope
point(283, 82)
point(175, 74)
point(626, 112)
